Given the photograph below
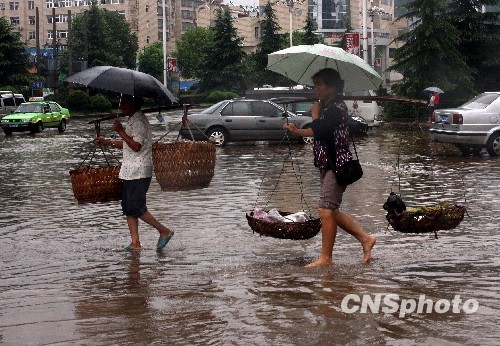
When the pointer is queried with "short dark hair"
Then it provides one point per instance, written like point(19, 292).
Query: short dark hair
point(331, 78)
point(136, 101)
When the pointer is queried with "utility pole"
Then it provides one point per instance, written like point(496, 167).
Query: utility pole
point(365, 33)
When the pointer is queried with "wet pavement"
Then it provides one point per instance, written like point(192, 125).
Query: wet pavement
point(66, 280)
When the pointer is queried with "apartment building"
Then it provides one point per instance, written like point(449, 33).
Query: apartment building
point(332, 17)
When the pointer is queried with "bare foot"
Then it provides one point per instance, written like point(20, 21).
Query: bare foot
point(319, 262)
point(367, 249)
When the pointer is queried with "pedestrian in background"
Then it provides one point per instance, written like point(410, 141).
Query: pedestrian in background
point(331, 133)
point(136, 170)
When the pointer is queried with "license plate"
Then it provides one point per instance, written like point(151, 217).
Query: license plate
point(443, 118)
point(14, 125)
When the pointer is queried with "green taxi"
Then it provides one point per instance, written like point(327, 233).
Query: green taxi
point(35, 116)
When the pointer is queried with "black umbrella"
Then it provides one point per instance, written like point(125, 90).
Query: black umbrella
point(123, 81)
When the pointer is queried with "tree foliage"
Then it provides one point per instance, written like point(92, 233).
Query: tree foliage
point(479, 41)
point(309, 37)
point(222, 63)
point(150, 60)
point(14, 59)
point(271, 41)
point(103, 37)
point(430, 55)
point(191, 49)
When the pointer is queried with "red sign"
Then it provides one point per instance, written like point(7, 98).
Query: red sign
point(378, 62)
point(352, 43)
point(171, 65)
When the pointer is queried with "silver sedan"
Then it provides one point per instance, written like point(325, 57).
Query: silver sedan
point(243, 120)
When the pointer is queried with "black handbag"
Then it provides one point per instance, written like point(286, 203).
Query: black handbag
point(351, 171)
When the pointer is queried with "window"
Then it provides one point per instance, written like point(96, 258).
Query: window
point(31, 35)
point(50, 3)
point(147, 8)
point(239, 109)
point(2, 6)
point(256, 33)
point(14, 5)
point(65, 3)
point(62, 34)
point(187, 26)
point(60, 18)
point(14, 21)
point(385, 2)
point(81, 3)
point(160, 36)
point(147, 39)
point(54, 107)
point(31, 5)
point(265, 109)
point(187, 14)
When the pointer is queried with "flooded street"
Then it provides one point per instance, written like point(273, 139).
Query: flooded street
point(66, 280)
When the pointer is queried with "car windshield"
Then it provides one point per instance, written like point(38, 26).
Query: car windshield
point(480, 102)
point(212, 108)
point(29, 108)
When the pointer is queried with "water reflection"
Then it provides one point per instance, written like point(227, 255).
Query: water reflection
point(66, 280)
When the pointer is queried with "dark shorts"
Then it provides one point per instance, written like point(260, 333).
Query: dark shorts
point(331, 192)
point(134, 196)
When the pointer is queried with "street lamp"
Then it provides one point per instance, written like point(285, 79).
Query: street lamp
point(290, 4)
point(372, 12)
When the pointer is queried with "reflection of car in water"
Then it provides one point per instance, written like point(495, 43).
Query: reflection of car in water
point(357, 124)
point(242, 120)
point(472, 126)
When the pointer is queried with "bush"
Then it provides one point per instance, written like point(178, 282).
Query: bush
point(216, 96)
point(100, 103)
point(78, 101)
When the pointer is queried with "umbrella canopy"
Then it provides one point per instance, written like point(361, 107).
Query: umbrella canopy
point(433, 90)
point(300, 63)
point(123, 81)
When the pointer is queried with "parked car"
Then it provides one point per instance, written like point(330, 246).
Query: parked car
point(35, 117)
point(9, 101)
point(242, 120)
point(370, 111)
point(472, 126)
point(357, 124)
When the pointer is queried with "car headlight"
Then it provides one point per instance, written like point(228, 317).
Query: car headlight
point(28, 120)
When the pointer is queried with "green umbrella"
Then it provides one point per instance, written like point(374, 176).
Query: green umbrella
point(300, 63)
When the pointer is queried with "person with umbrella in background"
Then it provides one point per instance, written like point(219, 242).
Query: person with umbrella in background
point(330, 131)
point(136, 170)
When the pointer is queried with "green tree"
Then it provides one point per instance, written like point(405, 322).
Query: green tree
point(14, 59)
point(103, 37)
point(479, 42)
point(222, 63)
point(191, 50)
point(150, 61)
point(430, 55)
point(271, 41)
point(309, 36)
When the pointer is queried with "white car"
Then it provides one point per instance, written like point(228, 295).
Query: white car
point(369, 111)
point(472, 126)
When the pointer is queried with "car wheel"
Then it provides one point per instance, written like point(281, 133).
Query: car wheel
point(62, 126)
point(218, 135)
point(7, 131)
point(37, 128)
point(493, 144)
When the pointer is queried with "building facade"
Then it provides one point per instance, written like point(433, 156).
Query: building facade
point(45, 22)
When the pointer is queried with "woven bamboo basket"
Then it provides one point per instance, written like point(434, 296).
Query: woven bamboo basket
point(184, 165)
point(96, 184)
point(285, 230)
point(427, 219)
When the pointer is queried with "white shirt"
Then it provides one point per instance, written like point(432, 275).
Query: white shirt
point(137, 164)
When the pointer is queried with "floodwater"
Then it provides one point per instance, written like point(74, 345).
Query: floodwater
point(65, 279)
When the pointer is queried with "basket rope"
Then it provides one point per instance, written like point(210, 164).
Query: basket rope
point(183, 165)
